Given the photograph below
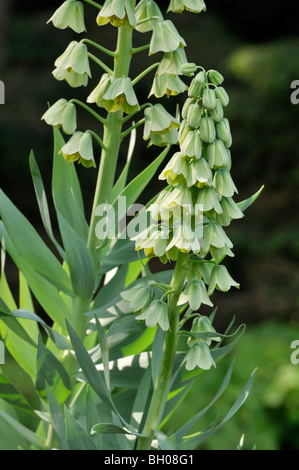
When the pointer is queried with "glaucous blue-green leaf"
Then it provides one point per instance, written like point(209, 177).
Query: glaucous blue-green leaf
point(77, 437)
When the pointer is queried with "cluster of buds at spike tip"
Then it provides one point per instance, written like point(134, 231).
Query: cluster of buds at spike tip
point(190, 214)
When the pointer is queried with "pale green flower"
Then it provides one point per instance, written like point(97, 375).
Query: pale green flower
point(120, 95)
point(97, 94)
point(74, 58)
point(79, 148)
point(207, 196)
point(118, 13)
point(62, 114)
point(199, 173)
point(172, 62)
point(194, 115)
point(177, 166)
point(209, 98)
point(223, 130)
point(192, 145)
point(69, 15)
point(195, 294)
point(199, 355)
point(156, 314)
point(214, 236)
point(165, 37)
point(145, 10)
point(223, 183)
point(74, 79)
point(217, 113)
point(186, 238)
point(169, 85)
point(218, 155)
point(196, 6)
point(207, 130)
point(158, 120)
point(221, 280)
point(230, 211)
point(169, 137)
point(202, 324)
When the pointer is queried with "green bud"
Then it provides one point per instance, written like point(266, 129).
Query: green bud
point(195, 294)
point(178, 6)
point(218, 156)
point(188, 68)
point(215, 77)
point(223, 130)
point(209, 99)
point(223, 183)
point(165, 37)
point(207, 130)
point(217, 113)
point(207, 196)
point(62, 114)
point(157, 120)
point(194, 115)
point(197, 85)
point(192, 145)
point(185, 108)
point(199, 355)
point(79, 148)
point(222, 95)
point(221, 280)
point(118, 13)
point(69, 15)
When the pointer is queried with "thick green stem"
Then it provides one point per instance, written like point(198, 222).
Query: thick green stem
point(112, 138)
point(161, 387)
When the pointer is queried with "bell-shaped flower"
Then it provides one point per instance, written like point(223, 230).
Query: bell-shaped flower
point(180, 196)
point(79, 148)
point(156, 314)
point(97, 94)
point(69, 15)
point(75, 58)
point(218, 155)
point(163, 139)
point(178, 6)
point(120, 95)
point(223, 183)
point(185, 237)
point(220, 253)
point(141, 299)
point(147, 13)
point(165, 37)
point(221, 280)
point(183, 131)
point(208, 198)
point(230, 211)
point(192, 145)
point(118, 13)
point(199, 173)
point(169, 85)
point(195, 294)
point(158, 120)
point(74, 79)
point(172, 62)
point(199, 355)
point(200, 271)
point(214, 236)
point(62, 114)
point(177, 166)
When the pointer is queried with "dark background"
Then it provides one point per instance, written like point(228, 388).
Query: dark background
point(255, 45)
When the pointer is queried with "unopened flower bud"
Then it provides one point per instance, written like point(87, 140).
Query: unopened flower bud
point(209, 99)
point(215, 77)
point(188, 68)
point(207, 130)
point(194, 115)
point(222, 95)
